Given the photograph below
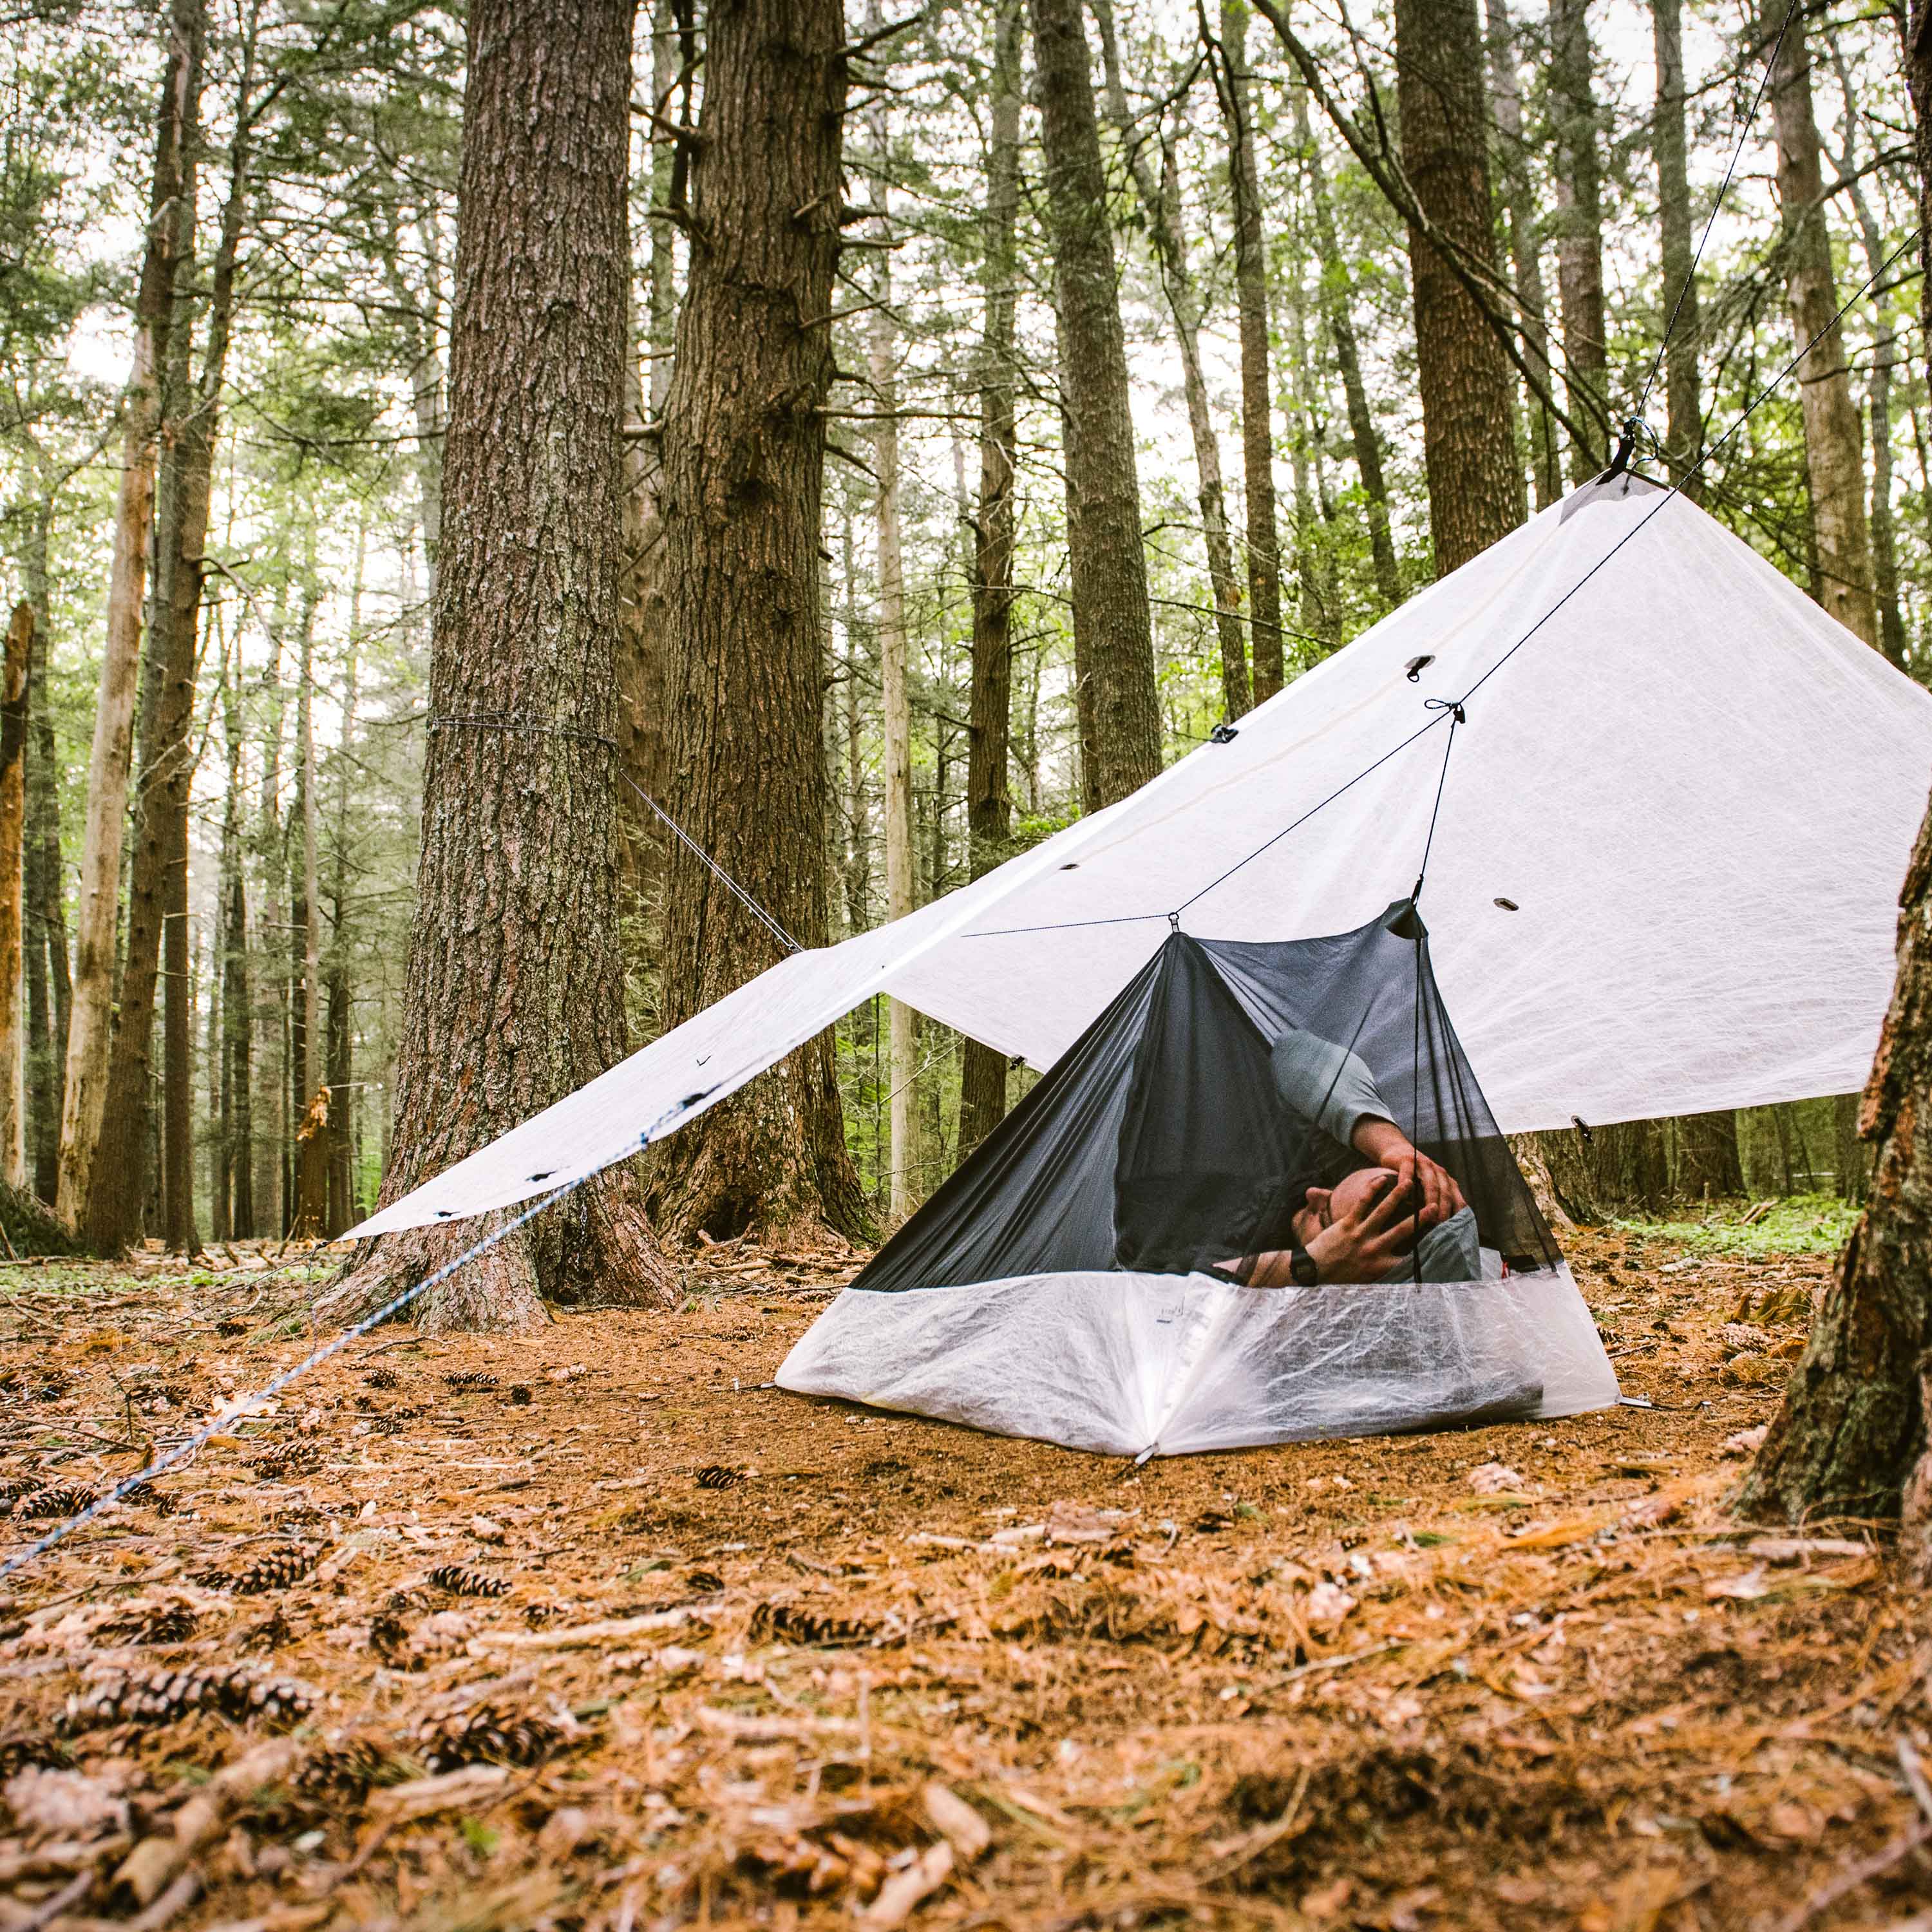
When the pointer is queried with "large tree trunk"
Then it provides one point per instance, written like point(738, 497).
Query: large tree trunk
point(1852, 1426)
point(1519, 202)
point(982, 1089)
point(514, 992)
point(13, 830)
point(1684, 433)
point(1251, 296)
point(744, 458)
point(49, 989)
point(1338, 301)
point(1833, 451)
point(1105, 557)
point(1579, 247)
point(1475, 488)
point(1709, 1164)
point(1160, 202)
point(84, 1097)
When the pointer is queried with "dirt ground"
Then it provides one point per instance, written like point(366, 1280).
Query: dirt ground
point(749, 1659)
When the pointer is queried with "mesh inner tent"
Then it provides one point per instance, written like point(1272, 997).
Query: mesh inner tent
point(1185, 1127)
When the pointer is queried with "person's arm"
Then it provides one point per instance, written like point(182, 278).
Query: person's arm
point(1333, 1087)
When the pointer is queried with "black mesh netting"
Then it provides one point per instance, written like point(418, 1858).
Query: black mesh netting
point(1185, 1127)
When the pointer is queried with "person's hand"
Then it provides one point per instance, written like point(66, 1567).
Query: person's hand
point(1434, 1185)
point(1369, 1240)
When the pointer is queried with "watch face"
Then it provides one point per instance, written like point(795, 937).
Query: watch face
point(1301, 1266)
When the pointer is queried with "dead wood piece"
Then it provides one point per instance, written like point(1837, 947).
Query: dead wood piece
point(904, 1891)
point(447, 1791)
point(157, 1862)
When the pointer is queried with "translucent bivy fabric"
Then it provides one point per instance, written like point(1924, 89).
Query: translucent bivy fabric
point(1070, 1281)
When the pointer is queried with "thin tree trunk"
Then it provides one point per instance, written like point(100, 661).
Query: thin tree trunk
point(1106, 559)
point(1579, 246)
point(49, 991)
point(13, 887)
point(1161, 203)
point(340, 1069)
point(1519, 202)
point(237, 995)
point(744, 455)
point(896, 703)
point(84, 1098)
point(1834, 452)
point(1885, 360)
point(1251, 296)
point(1709, 1166)
point(1338, 301)
point(1475, 487)
point(989, 805)
point(1684, 433)
point(510, 1002)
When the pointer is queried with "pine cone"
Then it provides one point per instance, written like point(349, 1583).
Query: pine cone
point(472, 1379)
point(12, 1488)
point(162, 1696)
point(488, 1734)
point(387, 1425)
point(460, 1581)
point(382, 1379)
point(44, 1503)
point(387, 1635)
point(231, 1324)
point(27, 1750)
point(519, 1394)
point(399, 1600)
point(158, 1624)
point(343, 1770)
point(271, 1634)
point(705, 1582)
point(287, 1459)
point(788, 1623)
point(276, 1569)
point(716, 1476)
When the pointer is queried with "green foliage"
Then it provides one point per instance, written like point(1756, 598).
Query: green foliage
point(1802, 1224)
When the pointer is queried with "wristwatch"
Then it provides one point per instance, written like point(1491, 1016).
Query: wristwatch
point(1302, 1269)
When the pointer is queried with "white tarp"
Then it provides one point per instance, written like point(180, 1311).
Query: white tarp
point(1697, 790)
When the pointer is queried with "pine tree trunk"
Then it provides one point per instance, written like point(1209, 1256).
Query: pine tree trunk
point(1338, 301)
point(982, 1090)
point(512, 998)
point(238, 994)
point(1518, 199)
point(50, 990)
point(1160, 202)
point(115, 1210)
point(1709, 1167)
point(1106, 558)
point(1475, 488)
point(1251, 297)
point(1834, 447)
point(1684, 434)
point(13, 832)
point(1579, 247)
point(1852, 1428)
point(744, 458)
point(90, 1035)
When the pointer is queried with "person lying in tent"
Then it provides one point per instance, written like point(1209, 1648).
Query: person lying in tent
point(1401, 1217)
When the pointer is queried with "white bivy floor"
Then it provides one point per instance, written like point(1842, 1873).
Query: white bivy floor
point(1123, 1364)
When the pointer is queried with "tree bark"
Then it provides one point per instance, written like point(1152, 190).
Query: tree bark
point(1475, 487)
point(1251, 296)
point(84, 1098)
point(744, 456)
point(13, 832)
point(1160, 202)
point(1833, 451)
point(1580, 247)
point(238, 994)
point(1338, 301)
point(895, 703)
point(1684, 433)
point(49, 989)
point(1709, 1165)
point(1518, 202)
point(1105, 557)
point(513, 995)
point(982, 1090)
point(1852, 1428)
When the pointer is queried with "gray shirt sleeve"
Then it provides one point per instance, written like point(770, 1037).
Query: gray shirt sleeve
point(1449, 1252)
point(1326, 1085)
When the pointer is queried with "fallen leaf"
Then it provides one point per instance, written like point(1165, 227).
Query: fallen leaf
point(1747, 1586)
point(1746, 1442)
point(1797, 1823)
point(1492, 1479)
point(904, 1890)
point(1326, 1606)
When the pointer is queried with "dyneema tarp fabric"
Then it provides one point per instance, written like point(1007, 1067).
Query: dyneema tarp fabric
point(1187, 1125)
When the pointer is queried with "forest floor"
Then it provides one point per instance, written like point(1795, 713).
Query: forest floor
point(761, 1660)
